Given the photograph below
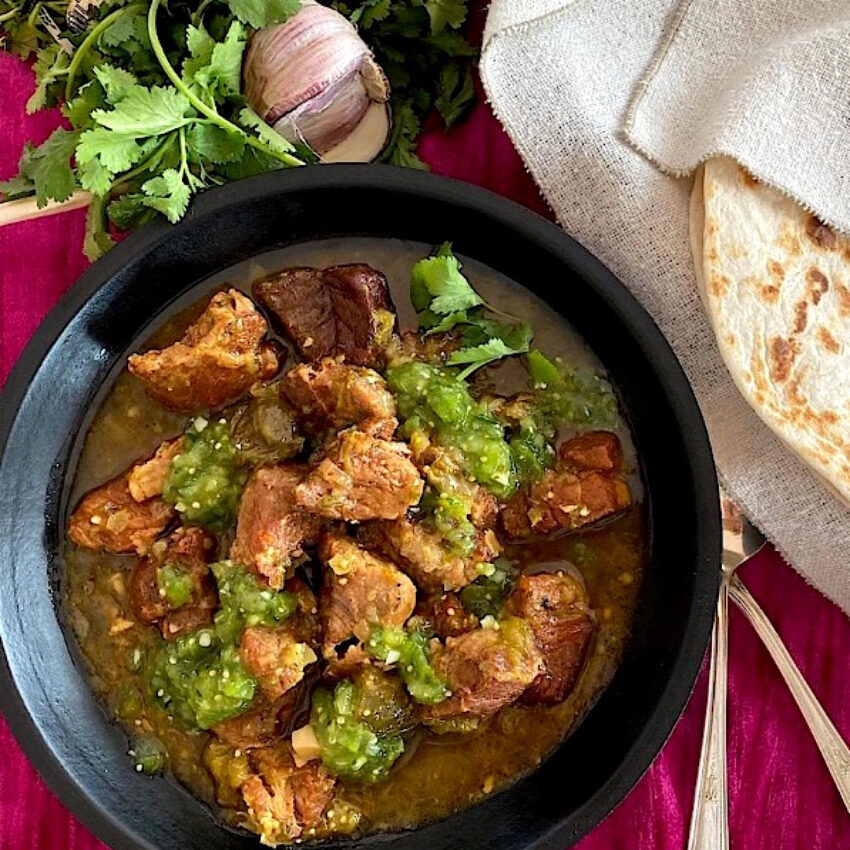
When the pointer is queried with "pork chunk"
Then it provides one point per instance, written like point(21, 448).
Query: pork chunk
point(422, 555)
point(263, 723)
point(333, 395)
point(216, 361)
point(271, 529)
point(147, 479)
point(361, 478)
point(342, 310)
point(276, 659)
point(584, 486)
point(186, 553)
point(109, 519)
point(485, 669)
point(360, 591)
point(555, 605)
point(444, 615)
point(283, 800)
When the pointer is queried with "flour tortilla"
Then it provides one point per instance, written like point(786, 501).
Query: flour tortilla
point(776, 285)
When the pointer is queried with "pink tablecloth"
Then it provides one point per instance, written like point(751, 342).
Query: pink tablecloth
point(782, 797)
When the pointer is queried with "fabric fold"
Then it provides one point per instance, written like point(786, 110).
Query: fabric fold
point(562, 77)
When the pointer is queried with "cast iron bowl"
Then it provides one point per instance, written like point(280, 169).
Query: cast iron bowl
point(50, 398)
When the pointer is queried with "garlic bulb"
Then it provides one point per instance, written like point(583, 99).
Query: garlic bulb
point(316, 82)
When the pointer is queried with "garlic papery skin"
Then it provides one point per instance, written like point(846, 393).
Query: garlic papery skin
point(315, 81)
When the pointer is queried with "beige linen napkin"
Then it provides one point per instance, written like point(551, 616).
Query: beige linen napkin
point(606, 100)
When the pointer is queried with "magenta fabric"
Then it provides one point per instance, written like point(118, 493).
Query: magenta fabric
point(781, 796)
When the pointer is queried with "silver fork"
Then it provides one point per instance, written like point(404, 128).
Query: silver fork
point(710, 818)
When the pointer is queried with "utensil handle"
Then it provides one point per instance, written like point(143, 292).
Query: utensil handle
point(710, 816)
point(832, 747)
point(25, 209)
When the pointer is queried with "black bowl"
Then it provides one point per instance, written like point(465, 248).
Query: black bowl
point(49, 399)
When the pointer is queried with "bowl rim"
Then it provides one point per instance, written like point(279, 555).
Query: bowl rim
point(549, 237)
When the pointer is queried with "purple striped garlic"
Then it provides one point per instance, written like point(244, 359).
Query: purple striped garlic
point(315, 81)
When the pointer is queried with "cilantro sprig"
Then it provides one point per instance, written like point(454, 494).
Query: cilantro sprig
point(445, 301)
point(151, 92)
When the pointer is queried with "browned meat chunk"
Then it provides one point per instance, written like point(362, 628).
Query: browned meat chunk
point(360, 591)
point(445, 616)
point(422, 555)
point(262, 723)
point(486, 670)
point(271, 530)
point(334, 395)
point(283, 800)
point(361, 478)
point(109, 519)
point(593, 450)
point(555, 605)
point(325, 312)
point(572, 494)
point(147, 479)
point(276, 659)
point(410, 346)
point(185, 553)
point(217, 360)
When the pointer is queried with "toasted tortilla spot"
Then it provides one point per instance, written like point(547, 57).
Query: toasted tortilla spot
point(828, 341)
point(775, 270)
point(818, 284)
point(747, 179)
point(801, 311)
point(788, 240)
point(770, 293)
point(843, 300)
point(822, 235)
point(719, 284)
point(781, 356)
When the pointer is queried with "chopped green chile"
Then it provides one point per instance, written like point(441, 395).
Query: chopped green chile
point(408, 650)
point(351, 748)
point(245, 601)
point(200, 680)
point(486, 595)
point(175, 584)
point(206, 479)
point(200, 677)
point(431, 398)
point(148, 755)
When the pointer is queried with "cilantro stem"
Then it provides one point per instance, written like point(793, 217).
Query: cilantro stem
point(148, 165)
point(7, 16)
point(201, 107)
point(87, 42)
point(196, 18)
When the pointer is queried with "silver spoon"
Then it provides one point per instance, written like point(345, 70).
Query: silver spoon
point(710, 818)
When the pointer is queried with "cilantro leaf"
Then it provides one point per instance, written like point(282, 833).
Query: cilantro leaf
point(261, 13)
point(16, 187)
point(116, 151)
point(121, 30)
point(445, 13)
point(147, 112)
point(130, 211)
point(221, 75)
point(49, 167)
point(89, 97)
point(168, 194)
point(116, 82)
point(441, 279)
point(215, 143)
point(249, 118)
point(455, 93)
point(200, 45)
point(48, 68)
point(482, 355)
point(95, 177)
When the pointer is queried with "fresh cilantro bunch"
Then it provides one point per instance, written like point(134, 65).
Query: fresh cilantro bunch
point(445, 301)
point(155, 107)
point(428, 62)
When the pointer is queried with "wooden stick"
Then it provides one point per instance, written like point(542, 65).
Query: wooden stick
point(24, 209)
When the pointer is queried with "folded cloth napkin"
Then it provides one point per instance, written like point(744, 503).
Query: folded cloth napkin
point(608, 101)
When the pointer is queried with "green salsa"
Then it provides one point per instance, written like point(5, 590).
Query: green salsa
point(408, 650)
point(206, 479)
point(175, 585)
point(351, 747)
